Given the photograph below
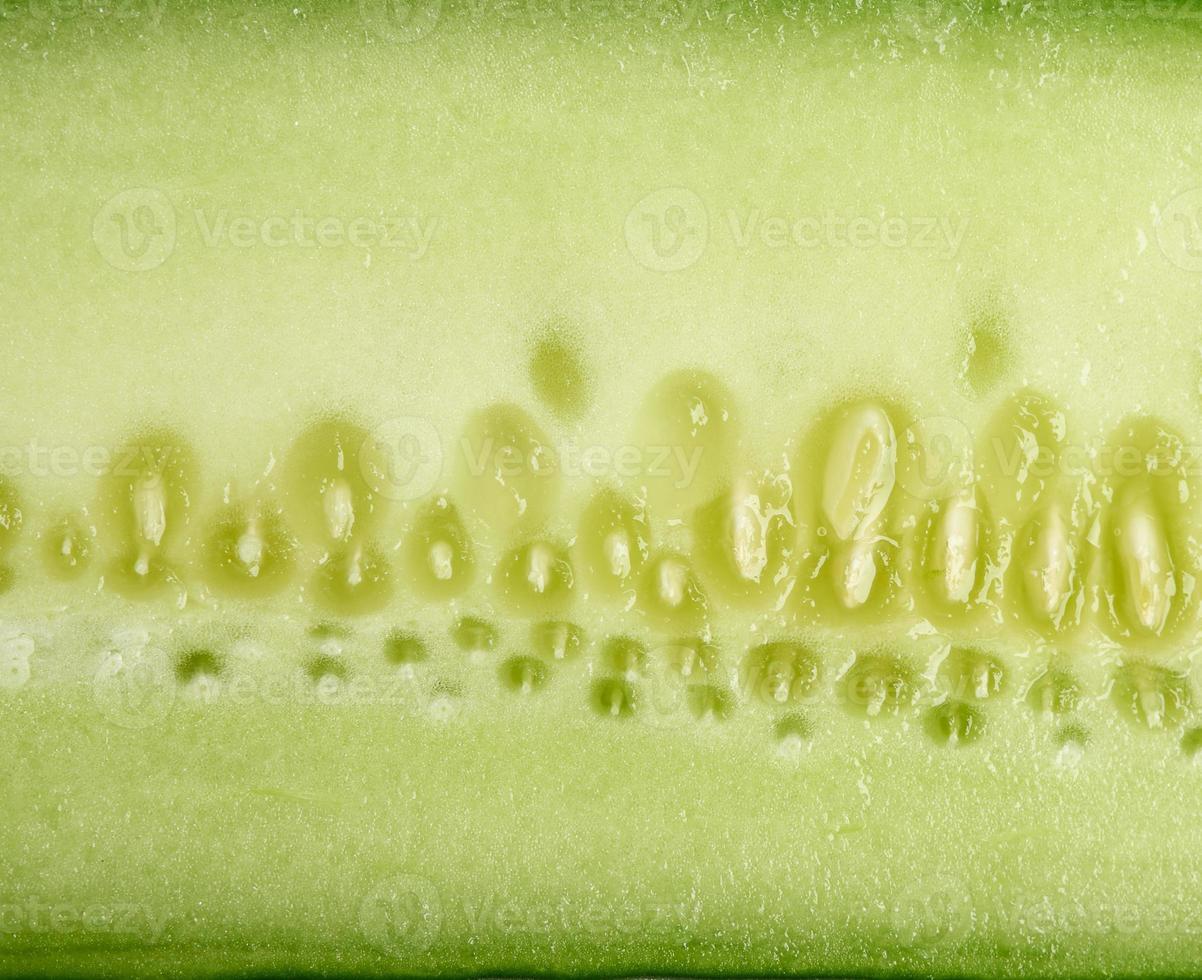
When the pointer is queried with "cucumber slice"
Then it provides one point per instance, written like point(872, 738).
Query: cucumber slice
point(600, 489)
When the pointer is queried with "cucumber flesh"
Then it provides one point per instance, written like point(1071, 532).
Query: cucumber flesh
point(599, 491)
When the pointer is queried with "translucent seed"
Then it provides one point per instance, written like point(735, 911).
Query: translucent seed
point(524, 674)
point(860, 471)
point(624, 655)
point(557, 640)
point(968, 673)
point(1055, 692)
point(147, 493)
point(537, 577)
point(707, 701)
point(612, 542)
point(690, 657)
point(67, 548)
point(952, 559)
point(743, 536)
point(402, 647)
point(613, 698)
point(780, 672)
point(326, 493)
point(955, 723)
point(250, 551)
point(474, 635)
point(879, 684)
point(686, 433)
point(508, 470)
point(438, 555)
point(11, 513)
point(1047, 564)
point(1152, 696)
point(853, 567)
point(1145, 563)
point(354, 580)
point(671, 594)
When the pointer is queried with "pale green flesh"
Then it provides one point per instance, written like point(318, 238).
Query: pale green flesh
point(252, 828)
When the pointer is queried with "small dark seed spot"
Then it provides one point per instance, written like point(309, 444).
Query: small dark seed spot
point(472, 633)
point(404, 647)
point(196, 663)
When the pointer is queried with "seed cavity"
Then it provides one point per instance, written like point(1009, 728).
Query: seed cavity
point(524, 675)
point(1146, 566)
point(613, 542)
point(671, 593)
point(404, 648)
point(687, 433)
point(689, 657)
point(557, 370)
point(557, 640)
point(793, 733)
point(67, 547)
point(970, 674)
point(1191, 742)
point(1046, 558)
point(200, 664)
point(326, 672)
point(438, 553)
point(879, 685)
point(780, 672)
point(148, 493)
point(612, 697)
point(1152, 696)
point(955, 723)
point(326, 494)
point(708, 702)
point(508, 470)
point(354, 580)
point(861, 470)
point(952, 557)
point(1055, 692)
point(250, 551)
point(536, 577)
point(624, 655)
point(474, 635)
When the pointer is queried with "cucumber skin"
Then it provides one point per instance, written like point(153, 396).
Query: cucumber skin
point(260, 831)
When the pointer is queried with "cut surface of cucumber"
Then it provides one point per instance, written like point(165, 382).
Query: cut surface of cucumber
point(600, 489)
